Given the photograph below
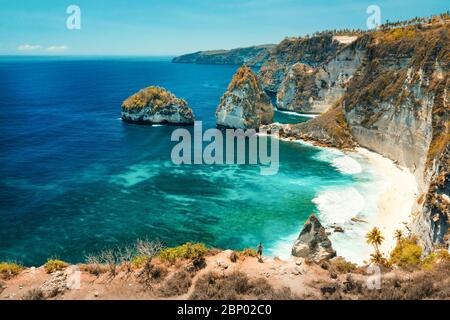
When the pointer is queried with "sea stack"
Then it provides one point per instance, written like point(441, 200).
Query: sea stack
point(156, 105)
point(244, 105)
point(313, 242)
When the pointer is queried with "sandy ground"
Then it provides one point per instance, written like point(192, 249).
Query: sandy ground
point(396, 198)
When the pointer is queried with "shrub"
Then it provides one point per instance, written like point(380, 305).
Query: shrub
point(138, 261)
point(94, 266)
point(342, 266)
point(249, 252)
point(186, 251)
point(176, 285)
point(158, 272)
point(147, 250)
point(55, 265)
point(236, 285)
point(34, 294)
point(9, 270)
point(406, 253)
point(431, 261)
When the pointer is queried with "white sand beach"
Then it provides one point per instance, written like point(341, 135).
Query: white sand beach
point(395, 199)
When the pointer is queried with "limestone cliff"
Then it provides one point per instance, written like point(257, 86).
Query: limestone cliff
point(311, 51)
point(244, 105)
point(156, 105)
point(251, 56)
point(313, 90)
point(395, 103)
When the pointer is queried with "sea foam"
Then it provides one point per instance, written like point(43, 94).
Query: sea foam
point(292, 113)
point(339, 205)
point(344, 163)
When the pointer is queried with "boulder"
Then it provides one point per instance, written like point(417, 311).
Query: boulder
point(244, 105)
point(313, 242)
point(156, 105)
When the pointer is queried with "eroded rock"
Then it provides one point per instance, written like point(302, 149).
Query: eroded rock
point(156, 105)
point(244, 105)
point(313, 242)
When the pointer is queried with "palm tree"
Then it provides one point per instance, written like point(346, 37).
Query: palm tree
point(398, 235)
point(377, 258)
point(375, 238)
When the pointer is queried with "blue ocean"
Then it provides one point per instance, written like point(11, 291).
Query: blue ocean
point(75, 179)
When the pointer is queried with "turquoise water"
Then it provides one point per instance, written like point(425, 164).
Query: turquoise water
point(74, 179)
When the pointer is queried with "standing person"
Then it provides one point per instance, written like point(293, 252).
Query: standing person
point(260, 250)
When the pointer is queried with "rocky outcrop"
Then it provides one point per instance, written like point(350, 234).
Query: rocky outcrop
point(244, 105)
point(251, 56)
point(311, 51)
point(156, 105)
point(314, 90)
point(313, 242)
point(330, 129)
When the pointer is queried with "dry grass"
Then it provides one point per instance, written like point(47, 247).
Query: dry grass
point(236, 285)
point(244, 75)
point(178, 284)
point(156, 96)
point(33, 294)
point(339, 264)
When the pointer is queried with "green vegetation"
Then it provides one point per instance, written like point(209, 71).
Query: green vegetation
point(248, 252)
point(9, 269)
point(342, 266)
point(186, 251)
point(242, 76)
point(156, 96)
point(375, 238)
point(432, 260)
point(138, 261)
point(407, 253)
point(55, 265)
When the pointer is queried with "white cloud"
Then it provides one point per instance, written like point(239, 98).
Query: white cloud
point(28, 47)
point(57, 48)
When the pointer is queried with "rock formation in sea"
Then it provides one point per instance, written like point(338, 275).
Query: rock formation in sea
point(313, 242)
point(251, 56)
point(156, 105)
point(244, 105)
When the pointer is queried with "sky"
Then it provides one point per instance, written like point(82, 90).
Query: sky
point(172, 27)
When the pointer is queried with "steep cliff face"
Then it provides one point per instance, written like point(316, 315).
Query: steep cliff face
point(308, 50)
point(245, 105)
point(390, 90)
point(156, 105)
point(251, 56)
point(397, 105)
point(314, 90)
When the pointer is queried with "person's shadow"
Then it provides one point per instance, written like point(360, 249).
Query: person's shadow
point(260, 260)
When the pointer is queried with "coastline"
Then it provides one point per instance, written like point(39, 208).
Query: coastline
point(396, 197)
point(394, 201)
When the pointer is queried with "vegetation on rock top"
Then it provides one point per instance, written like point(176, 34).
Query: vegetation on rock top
point(154, 96)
